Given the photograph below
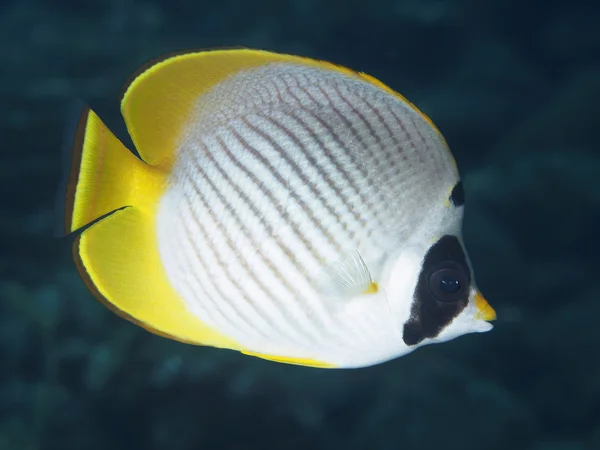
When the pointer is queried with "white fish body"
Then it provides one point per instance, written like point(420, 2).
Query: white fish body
point(283, 171)
point(284, 207)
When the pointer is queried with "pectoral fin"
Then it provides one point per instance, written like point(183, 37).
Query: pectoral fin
point(347, 277)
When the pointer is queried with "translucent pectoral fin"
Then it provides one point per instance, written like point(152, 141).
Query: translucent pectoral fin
point(347, 277)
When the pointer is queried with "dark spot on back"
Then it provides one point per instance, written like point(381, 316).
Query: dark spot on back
point(457, 197)
point(428, 316)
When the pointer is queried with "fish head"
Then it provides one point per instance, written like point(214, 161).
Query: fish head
point(432, 293)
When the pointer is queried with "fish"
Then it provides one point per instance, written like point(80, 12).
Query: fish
point(284, 207)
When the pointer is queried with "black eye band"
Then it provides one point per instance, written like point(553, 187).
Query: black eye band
point(442, 290)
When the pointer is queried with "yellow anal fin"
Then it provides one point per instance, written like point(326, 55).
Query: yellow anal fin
point(119, 261)
point(290, 360)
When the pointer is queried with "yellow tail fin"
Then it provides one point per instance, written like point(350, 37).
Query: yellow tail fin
point(104, 175)
point(114, 195)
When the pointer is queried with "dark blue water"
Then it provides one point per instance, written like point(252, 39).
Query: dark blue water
point(515, 88)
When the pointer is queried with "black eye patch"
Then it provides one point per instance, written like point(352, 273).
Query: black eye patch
point(457, 197)
point(442, 291)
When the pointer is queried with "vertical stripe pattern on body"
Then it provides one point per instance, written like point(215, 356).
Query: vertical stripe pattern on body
point(281, 171)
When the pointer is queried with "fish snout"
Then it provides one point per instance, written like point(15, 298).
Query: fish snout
point(484, 310)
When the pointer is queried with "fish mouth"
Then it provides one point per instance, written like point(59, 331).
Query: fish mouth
point(484, 310)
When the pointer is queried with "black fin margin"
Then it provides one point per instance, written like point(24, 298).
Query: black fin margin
point(74, 132)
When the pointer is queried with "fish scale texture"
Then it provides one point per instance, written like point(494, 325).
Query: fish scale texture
point(282, 171)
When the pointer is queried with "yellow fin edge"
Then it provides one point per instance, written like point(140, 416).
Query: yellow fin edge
point(289, 360)
point(160, 96)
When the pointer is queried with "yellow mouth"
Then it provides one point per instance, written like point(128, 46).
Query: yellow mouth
point(484, 310)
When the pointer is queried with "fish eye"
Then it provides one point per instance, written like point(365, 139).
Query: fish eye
point(448, 285)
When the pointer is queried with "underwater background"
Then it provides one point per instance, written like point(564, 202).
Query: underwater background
point(515, 88)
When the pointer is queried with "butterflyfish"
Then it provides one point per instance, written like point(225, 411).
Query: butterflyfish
point(281, 206)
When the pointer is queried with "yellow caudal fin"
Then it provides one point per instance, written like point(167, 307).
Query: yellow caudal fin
point(113, 196)
point(104, 175)
point(160, 96)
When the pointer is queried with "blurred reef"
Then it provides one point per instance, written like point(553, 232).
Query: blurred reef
point(515, 88)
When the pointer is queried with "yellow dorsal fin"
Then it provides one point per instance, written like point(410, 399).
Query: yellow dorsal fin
point(161, 95)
